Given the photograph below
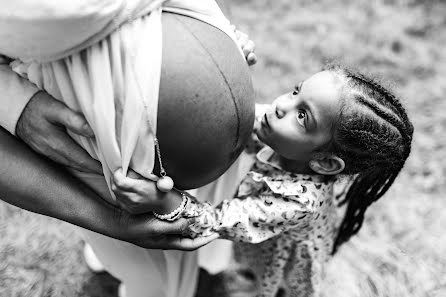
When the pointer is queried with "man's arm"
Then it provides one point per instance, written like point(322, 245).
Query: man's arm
point(33, 183)
point(41, 121)
point(15, 92)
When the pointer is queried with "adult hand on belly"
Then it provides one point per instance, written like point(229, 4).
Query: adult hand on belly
point(206, 106)
point(42, 126)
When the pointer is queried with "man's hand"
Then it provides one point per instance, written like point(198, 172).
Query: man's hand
point(148, 232)
point(248, 46)
point(42, 125)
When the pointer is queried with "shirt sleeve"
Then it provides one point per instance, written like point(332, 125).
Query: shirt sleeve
point(254, 219)
point(15, 93)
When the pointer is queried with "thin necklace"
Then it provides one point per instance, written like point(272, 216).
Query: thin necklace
point(164, 183)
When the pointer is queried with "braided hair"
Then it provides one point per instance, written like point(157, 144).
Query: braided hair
point(373, 136)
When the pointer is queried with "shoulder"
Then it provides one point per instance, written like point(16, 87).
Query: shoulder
point(308, 190)
point(254, 145)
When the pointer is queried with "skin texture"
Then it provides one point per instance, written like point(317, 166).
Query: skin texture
point(229, 111)
point(31, 182)
point(42, 126)
point(300, 122)
point(295, 126)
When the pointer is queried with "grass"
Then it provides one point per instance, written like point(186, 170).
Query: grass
point(400, 250)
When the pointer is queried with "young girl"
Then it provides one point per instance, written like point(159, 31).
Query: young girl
point(284, 215)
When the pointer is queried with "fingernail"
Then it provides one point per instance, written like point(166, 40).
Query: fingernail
point(191, 221)
point(88, 130)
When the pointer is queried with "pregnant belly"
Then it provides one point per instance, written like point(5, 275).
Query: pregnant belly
point(205, 107)
point(206, 103)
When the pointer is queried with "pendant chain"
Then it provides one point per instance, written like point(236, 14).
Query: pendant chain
point(158, 153)
point(146, 108)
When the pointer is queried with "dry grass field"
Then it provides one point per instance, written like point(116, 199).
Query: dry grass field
point(401, 250)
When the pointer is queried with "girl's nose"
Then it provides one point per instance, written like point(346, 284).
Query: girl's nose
point(282, 106)
point(279, 112)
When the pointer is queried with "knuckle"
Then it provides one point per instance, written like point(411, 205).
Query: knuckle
point(114, 188)
point(118, 181)
point(183, 226)
point(79, 163)
point(156, 229)
point(125, 206)
point(149, 226)
point(74, 120)
point(56, 146)
point(136, 200)
point(131, 209)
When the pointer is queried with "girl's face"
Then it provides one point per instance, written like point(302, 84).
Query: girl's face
point(300, 122)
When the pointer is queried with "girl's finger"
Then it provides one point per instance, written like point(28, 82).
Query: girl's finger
point(125, 183)
point(251, 59)
point(138, 184)
point(241, 35)
point(249, 47)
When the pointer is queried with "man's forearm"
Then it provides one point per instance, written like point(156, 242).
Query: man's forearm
point(32, 182)
point(15, 94)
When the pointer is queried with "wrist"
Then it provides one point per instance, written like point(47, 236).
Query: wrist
point(175, 213)
point(171, 201)
point(97, 215)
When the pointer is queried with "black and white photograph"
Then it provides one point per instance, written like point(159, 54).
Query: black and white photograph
point(222, 148)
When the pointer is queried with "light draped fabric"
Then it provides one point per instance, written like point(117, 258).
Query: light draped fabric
point(120, 66)
point(88, 55)
point(46, 30)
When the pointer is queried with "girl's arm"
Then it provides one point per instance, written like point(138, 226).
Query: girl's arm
point(249, 219)
point(252, 219)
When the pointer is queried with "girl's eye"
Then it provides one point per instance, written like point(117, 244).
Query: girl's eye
point(301, 117)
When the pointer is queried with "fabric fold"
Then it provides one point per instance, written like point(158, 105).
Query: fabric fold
point(121, 66)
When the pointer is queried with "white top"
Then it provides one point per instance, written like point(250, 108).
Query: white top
point(47, 30)
point(114, 67)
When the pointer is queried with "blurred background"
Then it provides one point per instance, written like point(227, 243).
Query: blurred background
point(401, 249)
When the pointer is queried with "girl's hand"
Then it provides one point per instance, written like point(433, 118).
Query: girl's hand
point(137, 194)
point(247, 46)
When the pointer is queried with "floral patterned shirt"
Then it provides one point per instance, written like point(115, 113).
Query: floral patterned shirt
point(283, 225)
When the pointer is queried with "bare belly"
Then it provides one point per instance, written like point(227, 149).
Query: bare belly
point(206, 103)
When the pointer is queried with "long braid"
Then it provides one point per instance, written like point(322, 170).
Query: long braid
point(374, 143)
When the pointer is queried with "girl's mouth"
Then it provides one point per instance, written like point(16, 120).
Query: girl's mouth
point(265, 121)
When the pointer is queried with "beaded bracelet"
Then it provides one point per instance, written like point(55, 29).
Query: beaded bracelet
point(174, 214)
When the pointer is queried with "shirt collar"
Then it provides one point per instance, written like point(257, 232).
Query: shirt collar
point(264, 156)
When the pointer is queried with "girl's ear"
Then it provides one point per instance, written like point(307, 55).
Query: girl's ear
point(327, 165)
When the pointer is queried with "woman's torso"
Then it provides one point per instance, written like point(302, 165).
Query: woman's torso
point(205, 83)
